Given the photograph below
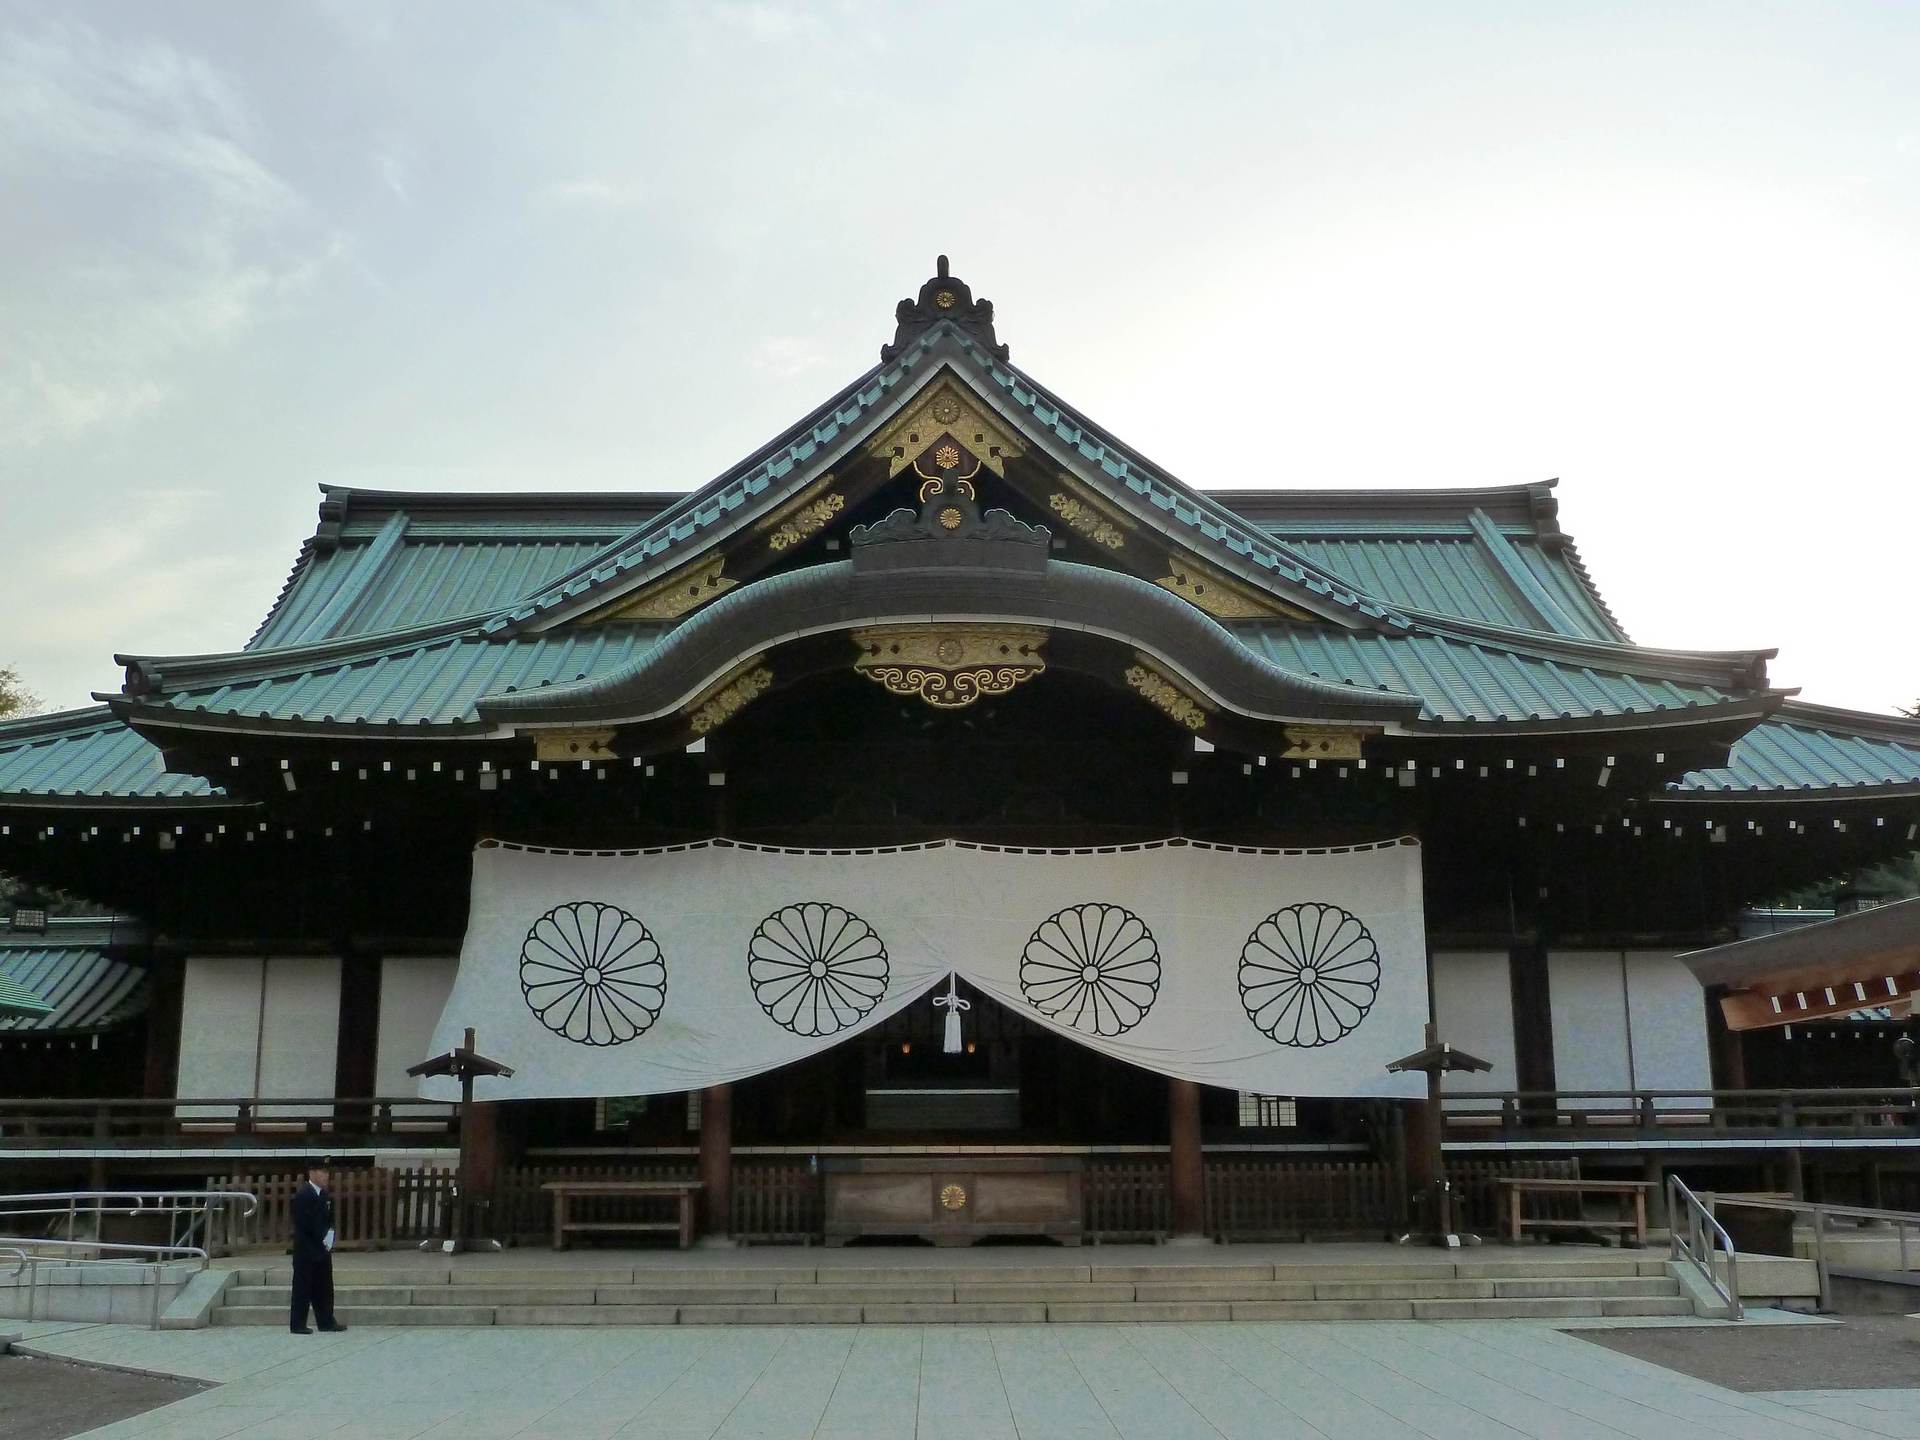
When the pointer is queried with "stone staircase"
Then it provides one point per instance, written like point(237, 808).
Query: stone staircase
point(493, 1293)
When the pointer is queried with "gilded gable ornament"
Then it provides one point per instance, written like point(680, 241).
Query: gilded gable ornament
point(1085, 520)
point(805, 522)
point(949, 666)
point(1166, 696)
point(946, 435)
point(679, 593)
point(1220, 597)
point(730, 697)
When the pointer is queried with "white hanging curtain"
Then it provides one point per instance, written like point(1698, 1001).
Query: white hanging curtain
point(1294, 972)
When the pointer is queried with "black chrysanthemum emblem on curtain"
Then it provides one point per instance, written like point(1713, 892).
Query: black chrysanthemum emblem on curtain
point(816, 968)
point(593, 973)
point(1308, 974)
point(1095, 967)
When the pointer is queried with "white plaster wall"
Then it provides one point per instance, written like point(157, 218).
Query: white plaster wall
point(1667, 1010)
point(1587, 995)
point(1473, 1007)
point(300, 1028)
point(259, 1028)
point(413, 992)
point(219, 1025)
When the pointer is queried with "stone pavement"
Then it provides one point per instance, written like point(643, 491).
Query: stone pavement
point(1403, 1381)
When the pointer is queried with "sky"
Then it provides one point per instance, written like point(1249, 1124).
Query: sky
point(1667, 253)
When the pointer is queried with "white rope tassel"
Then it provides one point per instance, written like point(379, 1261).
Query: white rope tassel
point(953, 1005)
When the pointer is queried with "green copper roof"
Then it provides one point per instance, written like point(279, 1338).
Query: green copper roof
point(1807, 749)
point(77, 982)
point(17, 999)
point(1461, 681)
point(436, 683)
point(88, 754)
point(386, 562)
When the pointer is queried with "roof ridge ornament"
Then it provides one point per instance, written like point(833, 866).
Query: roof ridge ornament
point(947, 530)
point(943, 298)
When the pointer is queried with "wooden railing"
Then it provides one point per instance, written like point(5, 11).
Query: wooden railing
point(1731, 1114)
point(390, 1122)
point(1290, 1200)
point(779, 1201)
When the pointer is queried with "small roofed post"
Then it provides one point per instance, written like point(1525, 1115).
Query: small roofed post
point(466, 1064)
point(1435, 1059)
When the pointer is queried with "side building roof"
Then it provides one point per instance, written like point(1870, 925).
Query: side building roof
point(77, 967)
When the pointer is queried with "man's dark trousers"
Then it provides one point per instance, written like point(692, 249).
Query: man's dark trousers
point(312, 1262)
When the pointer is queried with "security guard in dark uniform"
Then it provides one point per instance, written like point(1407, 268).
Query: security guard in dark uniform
point(313, 1252)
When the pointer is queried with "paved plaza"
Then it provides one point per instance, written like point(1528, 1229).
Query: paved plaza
point(1436, 1381)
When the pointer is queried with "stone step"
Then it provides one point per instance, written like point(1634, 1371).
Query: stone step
point(1139, 1312)
point(1035, 1293)
point(469, 1295)
point(1187, 1292)
point(685, 1295)
point(1323, 1310)
point(1605, 1285)
point(954, 1314)
point(362, 1315)
point(282, 1295)
point(899, 1294)
point(770, 1314)
point(585, 1314)
point(1535, 1307)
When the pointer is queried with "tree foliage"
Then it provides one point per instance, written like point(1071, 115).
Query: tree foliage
point(15, 698)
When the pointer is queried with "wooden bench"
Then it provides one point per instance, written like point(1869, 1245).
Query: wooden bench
point(1628, 1190)
point(565, 1192)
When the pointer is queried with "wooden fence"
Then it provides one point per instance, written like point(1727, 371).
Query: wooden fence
point(1291, 1200)
point(1125, 1199)
point(780, 1201)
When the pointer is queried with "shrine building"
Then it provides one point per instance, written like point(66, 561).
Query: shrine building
point(947, 789)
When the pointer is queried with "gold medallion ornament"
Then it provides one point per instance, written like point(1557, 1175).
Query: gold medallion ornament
point(1088, 521)
point(1158, 690)
point(953, 1197)
point(730, 697)
point(950, 666)
point(808, 520)
point(944, 300)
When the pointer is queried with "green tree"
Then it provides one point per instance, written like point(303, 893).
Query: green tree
point(15, 698)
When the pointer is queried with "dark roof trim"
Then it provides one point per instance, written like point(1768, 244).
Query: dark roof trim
point(1882, 940)
point(827, 598)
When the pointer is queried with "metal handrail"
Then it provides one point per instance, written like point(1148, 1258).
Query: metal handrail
point(1700, 1239)
point(1821, 1213)
point(149, 1257)
point(66, 1208)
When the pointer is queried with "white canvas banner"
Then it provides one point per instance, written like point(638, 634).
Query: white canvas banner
point(1290, 972)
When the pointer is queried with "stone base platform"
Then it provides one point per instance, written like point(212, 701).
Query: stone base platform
point(1023, 1285)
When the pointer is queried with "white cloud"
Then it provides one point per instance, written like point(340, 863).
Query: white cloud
point(592, 192)
point(160, 230)
point(786, 356)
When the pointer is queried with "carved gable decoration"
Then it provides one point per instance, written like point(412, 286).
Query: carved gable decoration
point(949, 530)
point(949, 666)
point(946, 434)
point(944, 298)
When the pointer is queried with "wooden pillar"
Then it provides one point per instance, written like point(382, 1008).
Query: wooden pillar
point(354, 1073)
point(480, 1146)
point(1796, 1174)
point(1725, 1050)
point(1532, 1016)
point(1418, 1150)
point(1186, 1168)
point(166, 983)
point(716, 1165)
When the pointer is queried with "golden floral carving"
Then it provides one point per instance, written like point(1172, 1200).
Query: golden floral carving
point(950, 666)
point(1159, 691)
point(947, 457)
point(946, 412)
point(730, 698)
point(1088, 521)
point(808, 520)
point(953, 1197)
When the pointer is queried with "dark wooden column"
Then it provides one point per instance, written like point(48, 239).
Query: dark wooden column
point(1532, 1016)
point(1186, 1168)
point(354, 1075)
point(1727, 1054)
point(716, 1165)
point(166, 979)
point(480, 1143)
